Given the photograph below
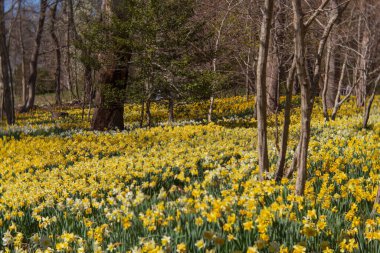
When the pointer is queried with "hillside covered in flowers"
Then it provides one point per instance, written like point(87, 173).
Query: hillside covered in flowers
point(187, 186)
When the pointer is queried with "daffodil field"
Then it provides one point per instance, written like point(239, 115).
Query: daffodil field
point(187, 187)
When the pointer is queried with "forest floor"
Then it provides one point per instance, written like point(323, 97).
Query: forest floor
point(189, 186)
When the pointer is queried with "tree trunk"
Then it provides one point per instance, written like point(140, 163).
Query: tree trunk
point(148, 114)
point(171, 110)
point(305, 96)
point(110, 96)
point(361, 89)
point(33, 66)
point(53, 19)
point(7, 101)
point(114, 74)
point(23, 63)
point(362, 67)
point(142, 113)
point(285, 132)
point(325, 84)
point(331, 81)
point(261, 102)
point(87, 84)
point(274, 66)
point(337, 102)
point(331, 85)
point(369, 105)
point(210, 109)
point(272, 80)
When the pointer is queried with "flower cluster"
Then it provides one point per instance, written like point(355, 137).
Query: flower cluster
point(187, 188)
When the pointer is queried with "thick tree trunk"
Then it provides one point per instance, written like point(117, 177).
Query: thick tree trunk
point(285, 131)
point(111, 93)
point(261, 102)
point(34, 59)
point(7, 101)
point(53, 19)
point(109, 101)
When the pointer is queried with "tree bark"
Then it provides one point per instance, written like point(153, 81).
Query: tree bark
point(274, 59)
point(148, 114)
point(272, 79)
point(87, 84)
point(23, 60)
point(114, 74)
point(142, 113)
point(261, 102)
point(369, 105)
point(210, 109)
point(337, 97)
point(53, 19)
point(7, 101)
point(171, 110)
point(34, 59)
point(305, 95)
point(326, 83)
point(331, 89)
point(285, 131)
point(362, 68)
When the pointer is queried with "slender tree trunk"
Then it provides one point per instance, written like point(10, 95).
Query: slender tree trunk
point(34, 59)
point(337, 98)
point(210, 109)
point(308, 84)
point(142, 113)
point(362, 67)
point(305, 95)
point(261, 102)
point(325, 84)
point(148, 113)
point(7, 101)
point(285, 132)
point(272, 80)
point(331, 85)
point(23, 58)
point(247, 84)
point(334, 56)
point(171, 110)
point(369, 105)
point(70, 27)
point(87, 84)
point(361, 89)
point(53, 19)
point(274, 59)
